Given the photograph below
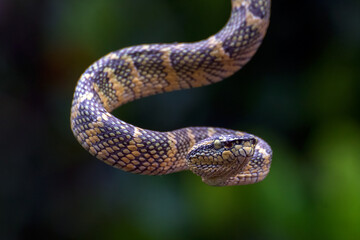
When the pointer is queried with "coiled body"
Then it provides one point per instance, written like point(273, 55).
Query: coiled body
point(220, 156)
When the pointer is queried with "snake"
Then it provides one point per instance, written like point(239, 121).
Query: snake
point(220, 156)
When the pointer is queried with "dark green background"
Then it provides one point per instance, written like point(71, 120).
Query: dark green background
point(300, 92)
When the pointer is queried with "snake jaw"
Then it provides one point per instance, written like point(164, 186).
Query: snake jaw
point(216, 159)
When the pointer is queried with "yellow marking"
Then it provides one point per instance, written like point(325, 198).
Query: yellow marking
point(171, 76)
point(248, 150)
point(97, 130)
point(101, 155)
point(89, 96)
point(238, 3)
point(179, 46)
point(135, 153)
point(125, 160)
point(137, 133)
point(145, 47)
point(105, 100)
point(117, 86)
point(191, 136)
point(88, 133)
point(136, 76)
point(200, 77)
point(110, 161)
point(132, 147)
point(106, 153)
point(256, 23)
point(266, 157)
point(240, 134)
point(172, 143)
point(94, 139)
point(75, 109)
point(211, 131)
point(109, 150)
point(92, 150)
point(120, 164)
point(222, 56)
point(88, 142)
point(138, 141)
point(104, 116)
point(112, 56)
point(135, 162)
point(129, 167)
point(100, 123)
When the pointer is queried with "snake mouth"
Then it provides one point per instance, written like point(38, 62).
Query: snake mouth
point(218, 169)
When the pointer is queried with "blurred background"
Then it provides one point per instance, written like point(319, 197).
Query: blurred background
point(300, 93)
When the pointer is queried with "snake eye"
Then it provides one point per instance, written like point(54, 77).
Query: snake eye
point(228, 144)
point(217, 144)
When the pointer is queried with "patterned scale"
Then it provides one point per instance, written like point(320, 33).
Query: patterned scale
point(220, 156)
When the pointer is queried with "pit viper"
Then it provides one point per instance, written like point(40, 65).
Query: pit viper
point(221, 157)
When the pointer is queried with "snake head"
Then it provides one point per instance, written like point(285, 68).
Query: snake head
point(217, 158)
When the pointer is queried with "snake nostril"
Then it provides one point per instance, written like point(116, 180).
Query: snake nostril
point(228, 144)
